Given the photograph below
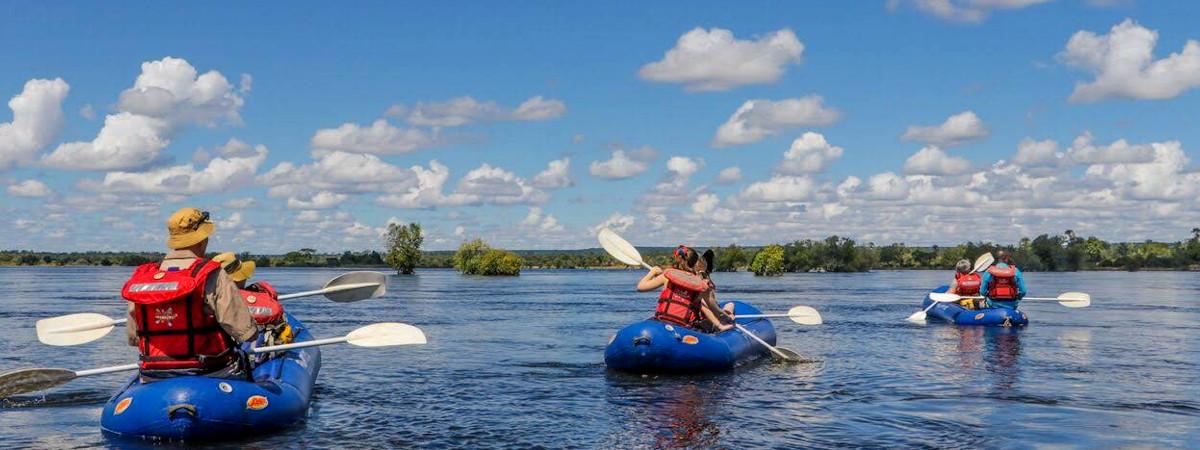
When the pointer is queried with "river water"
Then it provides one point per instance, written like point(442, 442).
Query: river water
point(518, 363)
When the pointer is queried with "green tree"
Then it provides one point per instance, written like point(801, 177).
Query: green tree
point(404, 247)
point(768, 261)
point(730, 258)
point(475, 257)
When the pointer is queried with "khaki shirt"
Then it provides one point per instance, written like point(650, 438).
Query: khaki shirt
point(221, 297)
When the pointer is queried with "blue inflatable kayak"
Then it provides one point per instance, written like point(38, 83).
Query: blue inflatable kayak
point(200, 408)
point(654, 346)
point(956, 314)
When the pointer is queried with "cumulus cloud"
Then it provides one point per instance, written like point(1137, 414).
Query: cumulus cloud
point(222, 174)
point(705, 204)
point(485, 185)
point(757, 119)
point(617, 222)
point(240, 203)
point(37, 120)
point(379, 138)
point(934, 161)
point(729, 175)
point(810, 153)
point(1163, 177)
point(886, 186)
point(713, 60)
point(465, 110)
point(673, 189)
point(540, 221)
point(780, 189)
point(557, 175)
point(167, 95)
point(339, 172)
point(622, 164)
point(30, 188)
point(964, 11)
point(1082, 151)
point(1123, 64)
point(320, 200)
point(962, 128)
point(1031, 153)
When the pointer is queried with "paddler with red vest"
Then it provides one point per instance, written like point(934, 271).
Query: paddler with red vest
point(260, 297)
point(1002, 285)
point(687, 297)
point(185, 314)
point(966, 283)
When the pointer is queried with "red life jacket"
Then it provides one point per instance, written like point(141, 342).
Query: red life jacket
point(263, 302)
point(1004, 283)
point(679, 303)
point(967, 284)
point(174, 330)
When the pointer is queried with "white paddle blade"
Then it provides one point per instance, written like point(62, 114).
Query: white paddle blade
point(1075, 300)
point(619, 248)
point(942, 297)
point(984, 261)
point(32, 380)
point(386, 334)
point(918, 316)
point(371, 285)
point(805, 315)
point(73, 329)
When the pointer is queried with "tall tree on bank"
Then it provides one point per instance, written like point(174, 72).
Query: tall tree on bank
point(404, 247)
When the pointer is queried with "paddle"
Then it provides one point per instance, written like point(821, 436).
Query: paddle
point(803, 315)
point(1068, 299)
point(75, 329)
point(981, 264)
point(375, 335)
point(623, 251)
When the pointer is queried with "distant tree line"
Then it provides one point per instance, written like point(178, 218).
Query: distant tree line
point(1059, 252)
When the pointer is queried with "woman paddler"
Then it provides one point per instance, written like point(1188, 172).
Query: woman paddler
point(260, 297)
point(688, 297)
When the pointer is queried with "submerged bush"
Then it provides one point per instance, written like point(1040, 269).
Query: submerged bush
point(477, 258)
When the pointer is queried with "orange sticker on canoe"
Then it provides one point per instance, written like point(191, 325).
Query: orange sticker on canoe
point(691, 340)
point(122, 405)
point(256, 402)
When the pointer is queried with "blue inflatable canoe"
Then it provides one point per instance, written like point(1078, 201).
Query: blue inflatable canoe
point(654, 346)
point(953, 313)
point(201, 408)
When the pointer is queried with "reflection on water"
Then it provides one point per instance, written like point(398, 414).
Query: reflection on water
point(518, 363)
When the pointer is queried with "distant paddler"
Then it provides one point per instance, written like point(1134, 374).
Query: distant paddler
point(1002, 284)
point(186, 316)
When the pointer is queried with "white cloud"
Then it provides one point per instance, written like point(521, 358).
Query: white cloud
point(705, 204)
point(171, 89)
point(465, 110)
point(620, 166)
point(962, 128)
point(167, 95)
point(87, 112)
point(965, 11)
point(222, 174)
point(30, 188)
point(240, 203)
point(232, 222)
point(338, 172)
point(485, 185)
point(380, 138)
point(320, 200)
point(780, 189)
point(1082, 151)
point(541, 221)
point(683, 166)
point(934, 161)
point(308, 216)
point(729, 175)
point(1031, 153)
point(887, 186)
point(713, 60)
point(557, 175)
point(757, 119)
point(37, 120)
point(673, 189)
point(617, 222)
point(809, 153)
point(1163, 177)
point(1124, 66)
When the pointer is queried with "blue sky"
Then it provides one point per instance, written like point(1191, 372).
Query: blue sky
point(496, 92)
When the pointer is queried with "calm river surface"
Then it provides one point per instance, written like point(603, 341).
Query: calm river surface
point(518, 363)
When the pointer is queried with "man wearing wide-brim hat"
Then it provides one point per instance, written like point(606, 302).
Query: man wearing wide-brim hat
point(185, 313)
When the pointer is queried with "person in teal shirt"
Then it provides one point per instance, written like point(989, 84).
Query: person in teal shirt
point(1002, 285)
